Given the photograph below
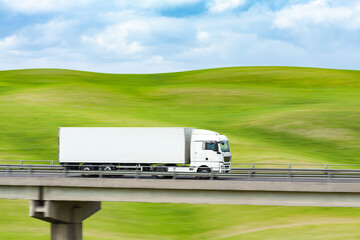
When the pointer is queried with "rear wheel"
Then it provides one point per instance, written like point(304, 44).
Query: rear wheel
point(108, 167)
point(86, 168)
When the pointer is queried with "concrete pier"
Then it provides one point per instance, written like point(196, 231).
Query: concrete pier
point(65, 216)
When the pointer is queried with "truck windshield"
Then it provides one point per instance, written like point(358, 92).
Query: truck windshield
point(224, 145)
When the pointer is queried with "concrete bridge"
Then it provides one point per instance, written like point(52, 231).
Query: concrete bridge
point(66, 202)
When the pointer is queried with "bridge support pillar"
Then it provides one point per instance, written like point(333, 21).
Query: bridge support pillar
point(65, 216)
point(65, 231)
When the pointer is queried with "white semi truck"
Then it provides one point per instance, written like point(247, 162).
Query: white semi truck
point(147, 149)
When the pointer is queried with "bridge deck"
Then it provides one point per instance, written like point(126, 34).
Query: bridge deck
point(182, 191)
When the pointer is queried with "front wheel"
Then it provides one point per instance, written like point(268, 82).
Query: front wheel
point(203, 170)
point(160, 170)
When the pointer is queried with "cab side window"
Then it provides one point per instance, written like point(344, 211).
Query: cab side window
point(209, 146)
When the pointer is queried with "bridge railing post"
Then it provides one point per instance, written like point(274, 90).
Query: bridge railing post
point(289, 172)
point(8, 171)
point(30, 171)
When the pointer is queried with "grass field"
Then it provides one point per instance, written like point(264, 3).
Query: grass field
point(270, 114)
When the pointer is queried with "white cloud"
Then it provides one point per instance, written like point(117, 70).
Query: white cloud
point(10, 42)
point(219, 6)
point(34, 6)
point(52, 32)
point(201, 36)
point(156, 60)
point(116, 38)
point(239, 49)
point(153, 4)
point(45, 35)
point(318, 12)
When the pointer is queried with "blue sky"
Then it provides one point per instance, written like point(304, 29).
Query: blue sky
point(150, 36)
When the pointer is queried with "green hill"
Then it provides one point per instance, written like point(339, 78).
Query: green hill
point(270, 114)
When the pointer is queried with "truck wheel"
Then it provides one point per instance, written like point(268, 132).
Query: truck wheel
point(86, 167)
point(203, 169)
point(160, 169)
point(107, 167)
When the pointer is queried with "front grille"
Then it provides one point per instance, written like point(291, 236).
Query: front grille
point(227, 159)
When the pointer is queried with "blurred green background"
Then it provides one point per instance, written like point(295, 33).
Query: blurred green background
point(270, 114)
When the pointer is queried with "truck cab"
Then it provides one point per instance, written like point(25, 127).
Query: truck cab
point(210, 151)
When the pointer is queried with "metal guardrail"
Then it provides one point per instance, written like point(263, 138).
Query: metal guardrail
point(246, 165)
point(299, 165)
point(281, 171)
point(22, 162)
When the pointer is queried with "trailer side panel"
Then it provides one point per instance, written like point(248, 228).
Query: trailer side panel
point(124, 145)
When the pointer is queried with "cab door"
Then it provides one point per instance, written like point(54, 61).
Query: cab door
point(211, 151)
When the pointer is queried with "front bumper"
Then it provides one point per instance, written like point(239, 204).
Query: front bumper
point(225, 169)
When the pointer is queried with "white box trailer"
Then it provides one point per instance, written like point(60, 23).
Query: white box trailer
point(151, 149)
point(124, 145)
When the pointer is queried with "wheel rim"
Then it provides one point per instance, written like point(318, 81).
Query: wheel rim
point(86, 168)
point(160, 170)
point(107, 168)
point(204, 170)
